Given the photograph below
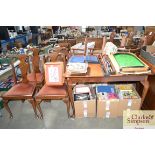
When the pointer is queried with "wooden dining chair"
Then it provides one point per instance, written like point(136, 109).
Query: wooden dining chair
point(99, 52)
point(83, 50)
point(35, 74)
point(53, 92)
point(128, 46)
point(64, 51)
point(130, 41)
point(66, 45)
point(147, 39)
point(23, 90)
point(112, 36)
point(150, 38)
point(123, 41)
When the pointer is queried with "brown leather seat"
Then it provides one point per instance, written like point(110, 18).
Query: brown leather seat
point(39, 77)
point(22, 89)
point(48, 91)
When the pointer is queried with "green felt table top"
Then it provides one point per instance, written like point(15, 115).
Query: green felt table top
point(127, 60)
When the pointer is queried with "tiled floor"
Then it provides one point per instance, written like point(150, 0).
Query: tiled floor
point(55, 117)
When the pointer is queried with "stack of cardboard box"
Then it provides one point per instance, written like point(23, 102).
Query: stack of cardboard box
point(107, 101)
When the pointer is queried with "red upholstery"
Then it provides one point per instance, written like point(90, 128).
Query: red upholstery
point(21, 89)
point(52, 91)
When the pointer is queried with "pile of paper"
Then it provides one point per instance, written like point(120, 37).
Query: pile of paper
point(77, 68)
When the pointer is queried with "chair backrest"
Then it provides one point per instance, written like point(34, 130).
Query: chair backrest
point(104, 42)
point(150, 38)
point(98, 42)
point(66, 45)
point(123, 41)
point(85, 46)
point(24, 66)
point(62, 50)
point(57, 57)
point(129, 40)
point(112, 36)
point(35, 60)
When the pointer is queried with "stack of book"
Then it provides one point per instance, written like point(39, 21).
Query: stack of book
point(83, 92)
point(79, 64)
point(82, 59)
point(77, 68)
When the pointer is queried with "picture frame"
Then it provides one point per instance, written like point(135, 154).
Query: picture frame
point(54, 73)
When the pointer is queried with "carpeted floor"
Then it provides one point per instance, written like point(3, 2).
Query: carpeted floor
point(55, 117)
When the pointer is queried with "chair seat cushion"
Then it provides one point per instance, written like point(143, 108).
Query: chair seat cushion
point(39, 77)
point(52, 91)
point(21, 89)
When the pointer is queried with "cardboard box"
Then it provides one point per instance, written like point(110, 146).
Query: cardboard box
point(107, 108)
point(85, 107)
point(125, 104)
point(128, 103)
point(107, 101)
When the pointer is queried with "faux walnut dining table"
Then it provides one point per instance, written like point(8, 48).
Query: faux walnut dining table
point(95, 74)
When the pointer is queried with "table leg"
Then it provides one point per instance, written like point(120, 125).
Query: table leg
point(70, 90)
point(145, 83)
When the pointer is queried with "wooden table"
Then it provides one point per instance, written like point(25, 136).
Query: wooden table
point(95, 74)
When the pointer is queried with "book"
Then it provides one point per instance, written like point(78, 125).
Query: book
point(77, 68)
point(107, 89)
point(125, 87)
point(91, 59)
point(76, 59)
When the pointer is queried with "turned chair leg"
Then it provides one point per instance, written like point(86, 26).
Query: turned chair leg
point(39, 108)
point(5, 103)
point(66, 101)
point(32, 101)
